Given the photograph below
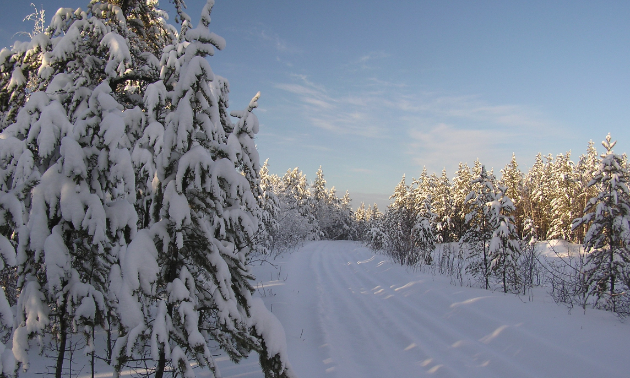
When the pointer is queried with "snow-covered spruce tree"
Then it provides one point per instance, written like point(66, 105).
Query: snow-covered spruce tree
point(344, 217)
point(460, 189)
point(479, 226)
point(333, 215)
point(324, 206)
point(422, 234)
point(406, 231)
point(12, 192)
point(504, 249)
point(512, 178)
point(70, 167)
point(295, 215)
point(140, 193)
point(375, 213)
point(270, 211)
point(318, 189)
point(442, 202)
point(362, 222)
point(399, 222)
point(376, 237)
point(585, 169)
point(564, 193)
point(607, 241)
point(538, 193)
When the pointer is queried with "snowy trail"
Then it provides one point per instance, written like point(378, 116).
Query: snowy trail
point(350, 313)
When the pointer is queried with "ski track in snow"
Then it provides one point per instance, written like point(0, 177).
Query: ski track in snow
point(350, 313)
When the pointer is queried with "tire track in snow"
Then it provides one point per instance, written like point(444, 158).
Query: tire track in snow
point(427, 338)
point(360, 331)
point(374, 321)
point(438, 336)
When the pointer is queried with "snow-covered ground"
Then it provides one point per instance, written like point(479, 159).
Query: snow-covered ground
point(350, 313)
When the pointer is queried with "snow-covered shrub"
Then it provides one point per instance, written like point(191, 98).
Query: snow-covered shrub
point(567, 276)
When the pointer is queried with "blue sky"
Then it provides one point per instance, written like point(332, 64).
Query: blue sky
point(370, 90)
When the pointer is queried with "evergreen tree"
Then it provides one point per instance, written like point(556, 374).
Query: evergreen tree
point(607, 241)
point(504, 246)
point(406, 231)
point(586, 168)
point(460, 189)
point(12, 193)
point(538, 188)
point(361, 221)
point(513, 180)
point(422, 235)
point(564, 192)
point(139, 198)
point(479, 225)
point(375, 213)
point(444, 209)
point(401, 219)
point(345, 218)
point(63, 108)
point(318, 188)
point(327, 209)
point(296, 195)
point(421, 189)
point(270, 209)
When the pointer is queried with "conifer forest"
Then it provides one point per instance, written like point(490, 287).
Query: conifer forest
point(135, 213)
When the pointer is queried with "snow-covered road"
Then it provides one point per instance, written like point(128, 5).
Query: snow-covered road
point(349, 313)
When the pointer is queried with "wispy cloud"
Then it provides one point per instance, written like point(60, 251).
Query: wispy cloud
point(373, 56)
point(443, 145)
point(446, 130)
point(266, 37)
point(433, 129)
point(367, 61)
point(341, 114)
point(470, 109)
point(275, 40)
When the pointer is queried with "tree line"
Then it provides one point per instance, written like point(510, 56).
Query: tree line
point(479, 226)
point(489, 227)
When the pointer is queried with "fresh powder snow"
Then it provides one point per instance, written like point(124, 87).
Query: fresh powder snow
point(348, 312)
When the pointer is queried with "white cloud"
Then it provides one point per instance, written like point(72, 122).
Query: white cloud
point(278, 43)
point(446, 130)
point(372, 56)
point(367, 61)
point(431, 129)
point(443, 145)
point(318, 103)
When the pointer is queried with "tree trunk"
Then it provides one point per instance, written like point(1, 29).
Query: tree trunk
point(504, 269)
point(171, 274)
point(93, 361)
point(485, 256)
point(612, 278)
point(63, 336)
point(485, 265)
point(159, 372)
point(109, 338)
